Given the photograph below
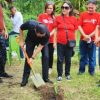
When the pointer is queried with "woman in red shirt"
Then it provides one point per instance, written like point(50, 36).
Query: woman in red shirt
point(48, 19)
point(63, 51)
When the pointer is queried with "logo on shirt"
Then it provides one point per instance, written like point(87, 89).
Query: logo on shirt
point(93, 21)
point(47, 21)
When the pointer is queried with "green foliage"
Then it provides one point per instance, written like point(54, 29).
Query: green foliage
point(98, 7)
point(56, 87)
point(32, 6)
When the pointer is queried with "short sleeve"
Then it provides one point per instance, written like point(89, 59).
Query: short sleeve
point(80, 20)
point(76, 23)
point(25, 26)
point(40, 18)
point(29, 25)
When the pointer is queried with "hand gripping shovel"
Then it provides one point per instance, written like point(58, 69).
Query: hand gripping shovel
point(36, 78)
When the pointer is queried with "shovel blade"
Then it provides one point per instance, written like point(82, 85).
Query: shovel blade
point(37, 80)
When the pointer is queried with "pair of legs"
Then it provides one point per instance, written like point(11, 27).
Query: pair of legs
point(3, 57)
point(64, 53)
point(45, 59)
point(87, 54)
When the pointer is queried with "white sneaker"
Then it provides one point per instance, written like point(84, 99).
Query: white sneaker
point(50, 71)
point(68, 77)
point(59, 78)
point(14, 54)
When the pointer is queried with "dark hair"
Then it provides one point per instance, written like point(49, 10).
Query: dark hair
point(12, 7)
point(50, 3)
point(71, 7)
point(41, 28)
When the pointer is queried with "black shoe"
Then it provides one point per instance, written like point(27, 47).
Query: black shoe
point(1, 80)
point(5, 75)
point(48, 81)
point(92, 73)
point(23, 83)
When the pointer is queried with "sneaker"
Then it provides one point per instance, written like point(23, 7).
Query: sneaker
point(68, 77)
point(23, 83)
point(7, 48)
point(48, 81)
point(92, 73)
point(59, 78)
point(50, 71)
point(5, 75)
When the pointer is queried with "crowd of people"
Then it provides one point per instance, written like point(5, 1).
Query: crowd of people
point(49, 32)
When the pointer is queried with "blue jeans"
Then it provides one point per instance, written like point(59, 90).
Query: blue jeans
point(87, 54)
point(64, 53)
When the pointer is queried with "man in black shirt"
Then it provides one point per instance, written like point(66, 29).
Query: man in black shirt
point(38, 34)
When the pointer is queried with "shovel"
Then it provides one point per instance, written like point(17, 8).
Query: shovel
point(36, 78)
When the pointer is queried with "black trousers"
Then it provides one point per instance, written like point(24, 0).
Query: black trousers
point(2, 54)
point(64, 53)
point(45, 59)
point(51, 52)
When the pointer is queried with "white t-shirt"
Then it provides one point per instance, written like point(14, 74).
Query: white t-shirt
point(17, 21)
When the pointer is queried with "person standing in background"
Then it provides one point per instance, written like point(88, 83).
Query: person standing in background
point(47, 18)
point(64, 52)
point(17, 21)
point(3, 36)
point(87, 25)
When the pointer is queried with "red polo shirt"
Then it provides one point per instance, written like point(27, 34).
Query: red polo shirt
point(1, 19)
point(48, 21)
point(71, 24)
point(88, 22)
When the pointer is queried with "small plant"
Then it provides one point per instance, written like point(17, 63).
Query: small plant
point(56, 87)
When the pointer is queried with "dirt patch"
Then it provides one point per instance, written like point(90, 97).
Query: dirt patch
point(48, 92)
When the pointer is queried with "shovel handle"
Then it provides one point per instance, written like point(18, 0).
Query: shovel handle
point(25, 53)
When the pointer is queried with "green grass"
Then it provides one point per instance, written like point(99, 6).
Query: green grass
point(81, 87)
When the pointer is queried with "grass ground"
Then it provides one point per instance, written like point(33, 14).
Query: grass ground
point(81, 87)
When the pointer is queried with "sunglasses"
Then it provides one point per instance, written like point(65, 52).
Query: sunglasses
point(65, 7)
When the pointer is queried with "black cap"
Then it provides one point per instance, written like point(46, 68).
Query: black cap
point(91, 1)
point(41, 28)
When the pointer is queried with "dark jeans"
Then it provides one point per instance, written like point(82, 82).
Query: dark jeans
point(7, 43)
point(45, 58)
point(64, 53)
point(51, 52)
point(2, 54)
point(87, 54)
